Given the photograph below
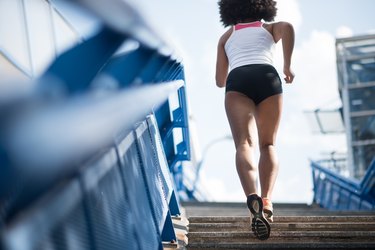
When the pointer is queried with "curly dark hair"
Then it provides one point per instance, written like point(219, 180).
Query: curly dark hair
point(236, 11)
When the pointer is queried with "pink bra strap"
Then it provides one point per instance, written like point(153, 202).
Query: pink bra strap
point(248, 25)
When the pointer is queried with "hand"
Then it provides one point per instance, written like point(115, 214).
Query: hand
point(289, 75)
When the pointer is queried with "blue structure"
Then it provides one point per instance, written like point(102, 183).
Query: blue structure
point(91, 146)
point(335, 192)
point(356, 73)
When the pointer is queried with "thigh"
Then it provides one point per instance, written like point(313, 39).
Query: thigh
point(268, 114)
point(240, 112)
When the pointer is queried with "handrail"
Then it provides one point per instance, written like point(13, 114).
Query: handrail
point(352, 183)
point(74, 123)
point(49, 137)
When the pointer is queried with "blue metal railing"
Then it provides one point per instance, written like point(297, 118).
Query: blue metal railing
point(336, 192)
point(88, 152)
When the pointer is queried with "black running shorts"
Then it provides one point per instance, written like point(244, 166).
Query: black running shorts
point(257, 81)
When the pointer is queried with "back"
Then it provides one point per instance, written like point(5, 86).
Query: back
point(249, 43)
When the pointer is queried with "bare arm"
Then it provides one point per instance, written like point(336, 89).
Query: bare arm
point(222, 63)
point(285, 32)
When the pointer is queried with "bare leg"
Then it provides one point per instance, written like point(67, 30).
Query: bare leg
point(240, 112)
point(268, 114)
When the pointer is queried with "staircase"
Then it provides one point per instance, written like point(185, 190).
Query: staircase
point(296, 226)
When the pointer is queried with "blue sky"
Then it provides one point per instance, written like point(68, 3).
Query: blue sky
point(193, 28)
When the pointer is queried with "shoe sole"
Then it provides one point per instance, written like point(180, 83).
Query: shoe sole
point(259, 225)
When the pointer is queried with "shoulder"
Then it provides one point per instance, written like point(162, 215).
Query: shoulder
point(282, 25)
point(278, 28)
point(224, 38)
point(277, 25)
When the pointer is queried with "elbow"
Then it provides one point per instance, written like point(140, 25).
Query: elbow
point(220, 82)
point(220, 85)
point(221, 79)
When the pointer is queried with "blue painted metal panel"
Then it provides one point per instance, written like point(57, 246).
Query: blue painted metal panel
point(153, 67)
point(328, 196)
point(166, 71)
point(183, 120)
point(336, 192)
point(154, 183)
point(136, 192)
point(56, 220)
point(366, 205)
point(168, 123)
point(354, 203)
point(163, 118)
point(319, 187)
point(344, 200)
point(111, 219)
point(162, 163)
point(368, 181)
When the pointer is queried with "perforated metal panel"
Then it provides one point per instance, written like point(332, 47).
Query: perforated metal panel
point(56, 221)
point(152, 175)
point(147, 232)
point(159, 158)
point(161, 161)
point(109, 213)
point(72, 233)
point(335, 192)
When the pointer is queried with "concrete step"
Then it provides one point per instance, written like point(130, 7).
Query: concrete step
point(281, 209)
point(223, 219)
point(284, 236)
point(284, 223)
point(240, 208)
point(310, 228)
point(277, 245)
point(282, 227)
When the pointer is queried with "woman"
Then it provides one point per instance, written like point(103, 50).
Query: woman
point(253, 99)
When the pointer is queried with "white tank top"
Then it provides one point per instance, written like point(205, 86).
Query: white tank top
point(249, 43)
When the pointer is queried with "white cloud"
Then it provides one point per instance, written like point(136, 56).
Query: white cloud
point(293, 188)
point(344, 31)
point(314, 63)
point(219, 191)
point(370, 32)
point(288, 10)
